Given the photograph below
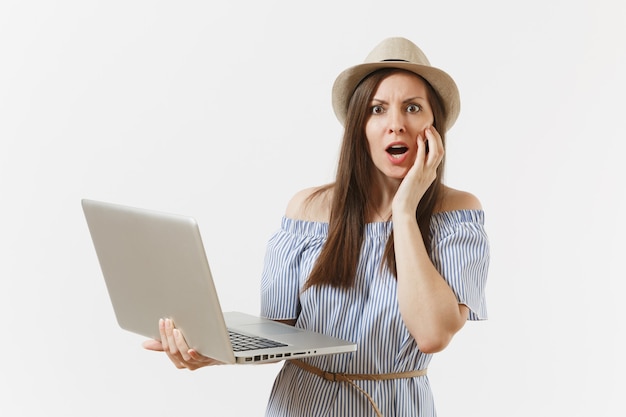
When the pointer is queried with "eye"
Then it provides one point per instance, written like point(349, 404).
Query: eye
point(378, 109)
point(413, 108)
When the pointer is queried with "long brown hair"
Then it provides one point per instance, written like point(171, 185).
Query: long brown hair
point(338, 260)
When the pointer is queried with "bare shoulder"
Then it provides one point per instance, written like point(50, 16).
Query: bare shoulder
point(311, 204)
point(453, 199)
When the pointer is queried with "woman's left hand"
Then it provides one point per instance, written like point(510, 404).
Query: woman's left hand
point(422, 174)
point(175, 346)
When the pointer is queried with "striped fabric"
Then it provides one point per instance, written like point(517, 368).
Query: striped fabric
point(367, 314)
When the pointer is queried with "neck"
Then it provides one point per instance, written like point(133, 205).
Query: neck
point(381, 197)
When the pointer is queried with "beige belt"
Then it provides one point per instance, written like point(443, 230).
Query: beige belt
point(349, 378)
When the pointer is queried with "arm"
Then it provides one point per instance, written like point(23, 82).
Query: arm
point(428, 305)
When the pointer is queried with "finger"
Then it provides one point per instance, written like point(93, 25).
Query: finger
point(203, 359)
point(421, 148)
point(178, 363)
point(195, 355)
point(433, 139)
point(181, 344)
point(169, 334)
point(176, 359)
point(163, 335)
point(435, 145)
point(153, 345)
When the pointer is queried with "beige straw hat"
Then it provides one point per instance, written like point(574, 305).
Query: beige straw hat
point(397, 53)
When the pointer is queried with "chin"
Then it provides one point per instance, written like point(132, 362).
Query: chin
point(396, 174)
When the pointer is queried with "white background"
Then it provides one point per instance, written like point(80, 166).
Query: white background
point(222, 111)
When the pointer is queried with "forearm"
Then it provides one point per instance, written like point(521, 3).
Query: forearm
point(428, 306)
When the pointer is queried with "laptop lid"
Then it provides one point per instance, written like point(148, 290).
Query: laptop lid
point(155, 266)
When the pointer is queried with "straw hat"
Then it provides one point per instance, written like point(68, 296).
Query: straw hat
point(397, 53)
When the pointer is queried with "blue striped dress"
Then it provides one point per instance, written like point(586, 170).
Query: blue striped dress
point(367, 314)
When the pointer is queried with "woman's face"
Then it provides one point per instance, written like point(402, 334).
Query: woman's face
point(398, 113)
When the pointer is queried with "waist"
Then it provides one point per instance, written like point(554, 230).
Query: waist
point(350, 378)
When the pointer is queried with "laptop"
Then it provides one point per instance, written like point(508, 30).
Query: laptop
point(155, 266)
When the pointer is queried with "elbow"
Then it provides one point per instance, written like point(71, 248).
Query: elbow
point(431, 345)
point(436, 339)
point(433, 338)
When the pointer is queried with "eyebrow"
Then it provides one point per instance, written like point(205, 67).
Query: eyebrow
point(408, 100)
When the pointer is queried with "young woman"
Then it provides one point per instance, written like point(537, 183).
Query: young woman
point(386, 256)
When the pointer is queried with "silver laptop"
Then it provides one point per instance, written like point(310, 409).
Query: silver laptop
point(155, 266)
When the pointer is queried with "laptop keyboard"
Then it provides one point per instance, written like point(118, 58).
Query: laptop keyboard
point(242, 342)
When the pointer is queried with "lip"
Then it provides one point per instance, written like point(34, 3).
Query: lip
point(400, 158)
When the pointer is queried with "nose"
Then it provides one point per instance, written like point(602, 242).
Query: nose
point(396, 122)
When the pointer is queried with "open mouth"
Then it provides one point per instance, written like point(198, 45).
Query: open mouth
point(397, 151)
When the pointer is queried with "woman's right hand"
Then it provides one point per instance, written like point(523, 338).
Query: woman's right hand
point(174, 345)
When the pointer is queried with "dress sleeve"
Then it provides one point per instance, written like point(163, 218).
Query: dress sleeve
point(460, 253)
point(280, 277)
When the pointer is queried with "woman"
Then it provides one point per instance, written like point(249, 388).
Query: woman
point(386, 256)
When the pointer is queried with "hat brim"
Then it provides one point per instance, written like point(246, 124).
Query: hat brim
point(442, 83)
